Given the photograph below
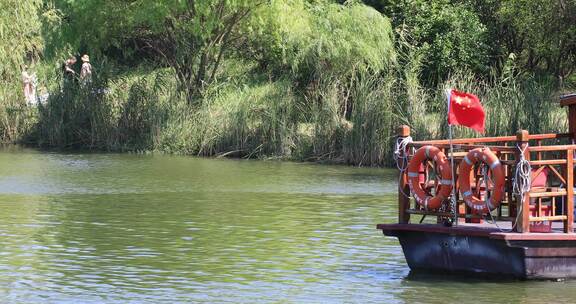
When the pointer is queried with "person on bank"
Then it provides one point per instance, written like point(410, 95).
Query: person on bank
point(86, 71)
point(29, 82)
point(69, 73)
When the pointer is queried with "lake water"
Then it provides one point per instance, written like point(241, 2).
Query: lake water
point(114, 228)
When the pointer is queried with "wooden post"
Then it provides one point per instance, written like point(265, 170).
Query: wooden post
point(403, 188)
point(523, 224)
point(569, 223)
point(570, 102)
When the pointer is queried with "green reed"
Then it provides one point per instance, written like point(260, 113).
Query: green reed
point(348, 119)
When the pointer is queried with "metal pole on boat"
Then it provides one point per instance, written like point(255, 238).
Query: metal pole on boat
point(453, 197)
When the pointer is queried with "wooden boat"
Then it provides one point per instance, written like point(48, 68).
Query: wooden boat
point(530, 235)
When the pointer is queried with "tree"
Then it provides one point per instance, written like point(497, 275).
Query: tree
point(196, 38)
point(189, 36)
point(320, 39)
point(542, 33)
point(449, 34)
point(322, 44)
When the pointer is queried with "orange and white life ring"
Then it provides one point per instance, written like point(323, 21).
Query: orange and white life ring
point(421, 156)
point(486, 156)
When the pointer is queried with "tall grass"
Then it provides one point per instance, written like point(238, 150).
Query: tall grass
point(368, 140)
point(251, 121)
point(20, 44)
point(250, 115)
point(75, 116)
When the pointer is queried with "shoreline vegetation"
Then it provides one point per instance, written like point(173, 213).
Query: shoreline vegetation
point(325, 81)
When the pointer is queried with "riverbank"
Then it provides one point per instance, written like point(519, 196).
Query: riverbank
point(252, 116)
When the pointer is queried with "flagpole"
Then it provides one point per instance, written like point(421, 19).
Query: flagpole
point(453, 199)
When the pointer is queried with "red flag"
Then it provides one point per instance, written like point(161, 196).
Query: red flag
point(465, 109)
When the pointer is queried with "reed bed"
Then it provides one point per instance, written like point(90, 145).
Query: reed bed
point(258, 117)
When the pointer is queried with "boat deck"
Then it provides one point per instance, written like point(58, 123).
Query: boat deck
point(486, 229)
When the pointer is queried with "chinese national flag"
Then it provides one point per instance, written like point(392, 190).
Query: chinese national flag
point(465, 109)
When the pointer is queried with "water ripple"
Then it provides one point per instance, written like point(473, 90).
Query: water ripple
point(95, 228)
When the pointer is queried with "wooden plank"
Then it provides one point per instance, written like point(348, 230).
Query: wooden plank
point(457, 141)
point(572, 120)
point(568, 100)
point(537, 172)
point(533, 236)
point(547, 218)
point(435, 228)
point(547, 162)
point(465, 147)
point(557, 174)
point(492, 233)
point(549, 136)
point(560, 192)
point(569, 223)
point(493, 139)
point(552, 148)
point(458, 154)
point(553, 252)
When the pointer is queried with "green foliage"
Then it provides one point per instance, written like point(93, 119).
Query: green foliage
point(97, 26)
point(189, 36)
point(20, 44)
point(542, 33)
point(345, 38)
point(449, 34)
point(322, 38)
point(20, 40)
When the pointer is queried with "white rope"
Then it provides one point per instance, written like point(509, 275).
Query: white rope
point(521, 185)
point(401, 156)
point(400, 152)
point(522, 181)
point(522, 175)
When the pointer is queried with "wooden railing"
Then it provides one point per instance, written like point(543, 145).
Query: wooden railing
point(556, 160)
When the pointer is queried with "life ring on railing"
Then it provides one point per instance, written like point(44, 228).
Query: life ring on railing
point(445, 182)
point(486, 156)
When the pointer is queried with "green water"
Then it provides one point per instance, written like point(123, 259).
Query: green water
point(111, 228)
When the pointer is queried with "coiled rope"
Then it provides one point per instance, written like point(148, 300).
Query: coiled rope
point(522, 181)
point(522, 175)
point(401, 156)
point(400, 152)
point(521, 185)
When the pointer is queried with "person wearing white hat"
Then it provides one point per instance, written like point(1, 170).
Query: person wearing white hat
point(86, 70)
